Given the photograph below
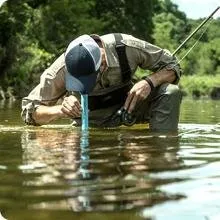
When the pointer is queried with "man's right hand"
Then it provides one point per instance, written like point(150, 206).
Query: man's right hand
point(71, 107)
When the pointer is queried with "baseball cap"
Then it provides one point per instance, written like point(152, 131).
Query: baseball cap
point(83, 61)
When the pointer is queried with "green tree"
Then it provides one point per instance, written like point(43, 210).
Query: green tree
point(34, 32)
point(204, 57)
point(13, 20)
point(126, 16)
point(60, 21)
point(170, 25)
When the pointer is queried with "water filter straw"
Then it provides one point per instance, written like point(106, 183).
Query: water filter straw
point(84, 141)
point(85, 115)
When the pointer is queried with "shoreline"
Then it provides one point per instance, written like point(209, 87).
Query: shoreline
point(191, 86)
point(200, 86)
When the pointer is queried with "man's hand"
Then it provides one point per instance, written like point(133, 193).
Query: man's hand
point(142, 89)
point(71, 107)
point(138, 92)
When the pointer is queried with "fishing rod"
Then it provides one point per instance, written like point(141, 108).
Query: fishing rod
point(195, 31)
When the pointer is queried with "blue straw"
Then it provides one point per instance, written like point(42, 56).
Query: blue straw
point(84, 117)
point(84, 142)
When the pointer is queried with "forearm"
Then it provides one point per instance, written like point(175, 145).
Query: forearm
point(162, 76)
point(46, 114)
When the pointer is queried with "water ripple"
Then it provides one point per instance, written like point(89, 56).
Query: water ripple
point(57, 169)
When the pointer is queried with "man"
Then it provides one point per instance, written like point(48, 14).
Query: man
point(103, 67)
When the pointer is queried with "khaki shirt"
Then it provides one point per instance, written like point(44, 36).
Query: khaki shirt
point(139, 54)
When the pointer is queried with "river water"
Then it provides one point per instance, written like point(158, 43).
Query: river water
point(57, 172)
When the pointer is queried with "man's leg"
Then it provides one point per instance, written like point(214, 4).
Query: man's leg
point(165, 108)
point(161, 109)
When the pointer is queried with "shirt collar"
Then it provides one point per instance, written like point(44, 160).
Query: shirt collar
point(110, 52)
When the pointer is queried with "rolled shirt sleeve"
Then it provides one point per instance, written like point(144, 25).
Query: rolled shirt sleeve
point(50, 89)
point(151, 57)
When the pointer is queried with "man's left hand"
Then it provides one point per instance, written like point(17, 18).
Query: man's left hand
point(138, 92)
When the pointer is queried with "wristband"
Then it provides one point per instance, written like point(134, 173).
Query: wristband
point(149, 81)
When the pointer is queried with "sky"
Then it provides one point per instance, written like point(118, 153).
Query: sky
point(198, 8)
point(193, 8)
point(1, 2)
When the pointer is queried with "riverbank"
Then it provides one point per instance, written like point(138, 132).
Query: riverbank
point(193, 86)
point(196, 86)
point(200, 86)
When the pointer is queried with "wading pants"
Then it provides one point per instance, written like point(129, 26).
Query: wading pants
point(161, 109)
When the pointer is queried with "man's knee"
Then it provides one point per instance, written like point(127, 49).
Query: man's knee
point(174, 93)
point(170, 93)
point(165, 108)
point(172, 96)
point(173, 90)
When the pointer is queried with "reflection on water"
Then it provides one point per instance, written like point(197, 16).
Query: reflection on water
point(55, 172)
point(202, 111)
point(93, 175)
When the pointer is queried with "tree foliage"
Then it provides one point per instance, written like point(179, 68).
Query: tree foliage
point(34, 32)
point(170, 25)
point(204, 57)
point(127, 16)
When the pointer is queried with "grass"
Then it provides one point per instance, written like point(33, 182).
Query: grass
point(195, 85)
point(199, 85)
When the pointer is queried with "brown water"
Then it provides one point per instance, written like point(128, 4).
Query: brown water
point(57, 172)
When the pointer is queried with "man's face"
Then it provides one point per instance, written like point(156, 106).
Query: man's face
point(104, 63)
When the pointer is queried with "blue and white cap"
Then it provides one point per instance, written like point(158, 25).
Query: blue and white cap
point(83, 61)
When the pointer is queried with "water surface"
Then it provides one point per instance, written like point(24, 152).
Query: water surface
point(57, 172)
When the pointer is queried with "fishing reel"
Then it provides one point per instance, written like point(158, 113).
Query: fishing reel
point(122, 116)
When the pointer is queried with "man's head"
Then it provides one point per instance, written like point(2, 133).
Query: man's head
point(83, 60)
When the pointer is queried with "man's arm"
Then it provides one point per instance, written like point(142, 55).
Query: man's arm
point(46, 114)
point(40, 106)
point(142, 89)
point(161, 62)
point(70, 107)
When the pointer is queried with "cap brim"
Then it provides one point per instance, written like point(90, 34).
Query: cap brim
point(82, 84)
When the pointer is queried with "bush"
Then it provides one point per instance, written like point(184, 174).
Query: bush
point(199, 85)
